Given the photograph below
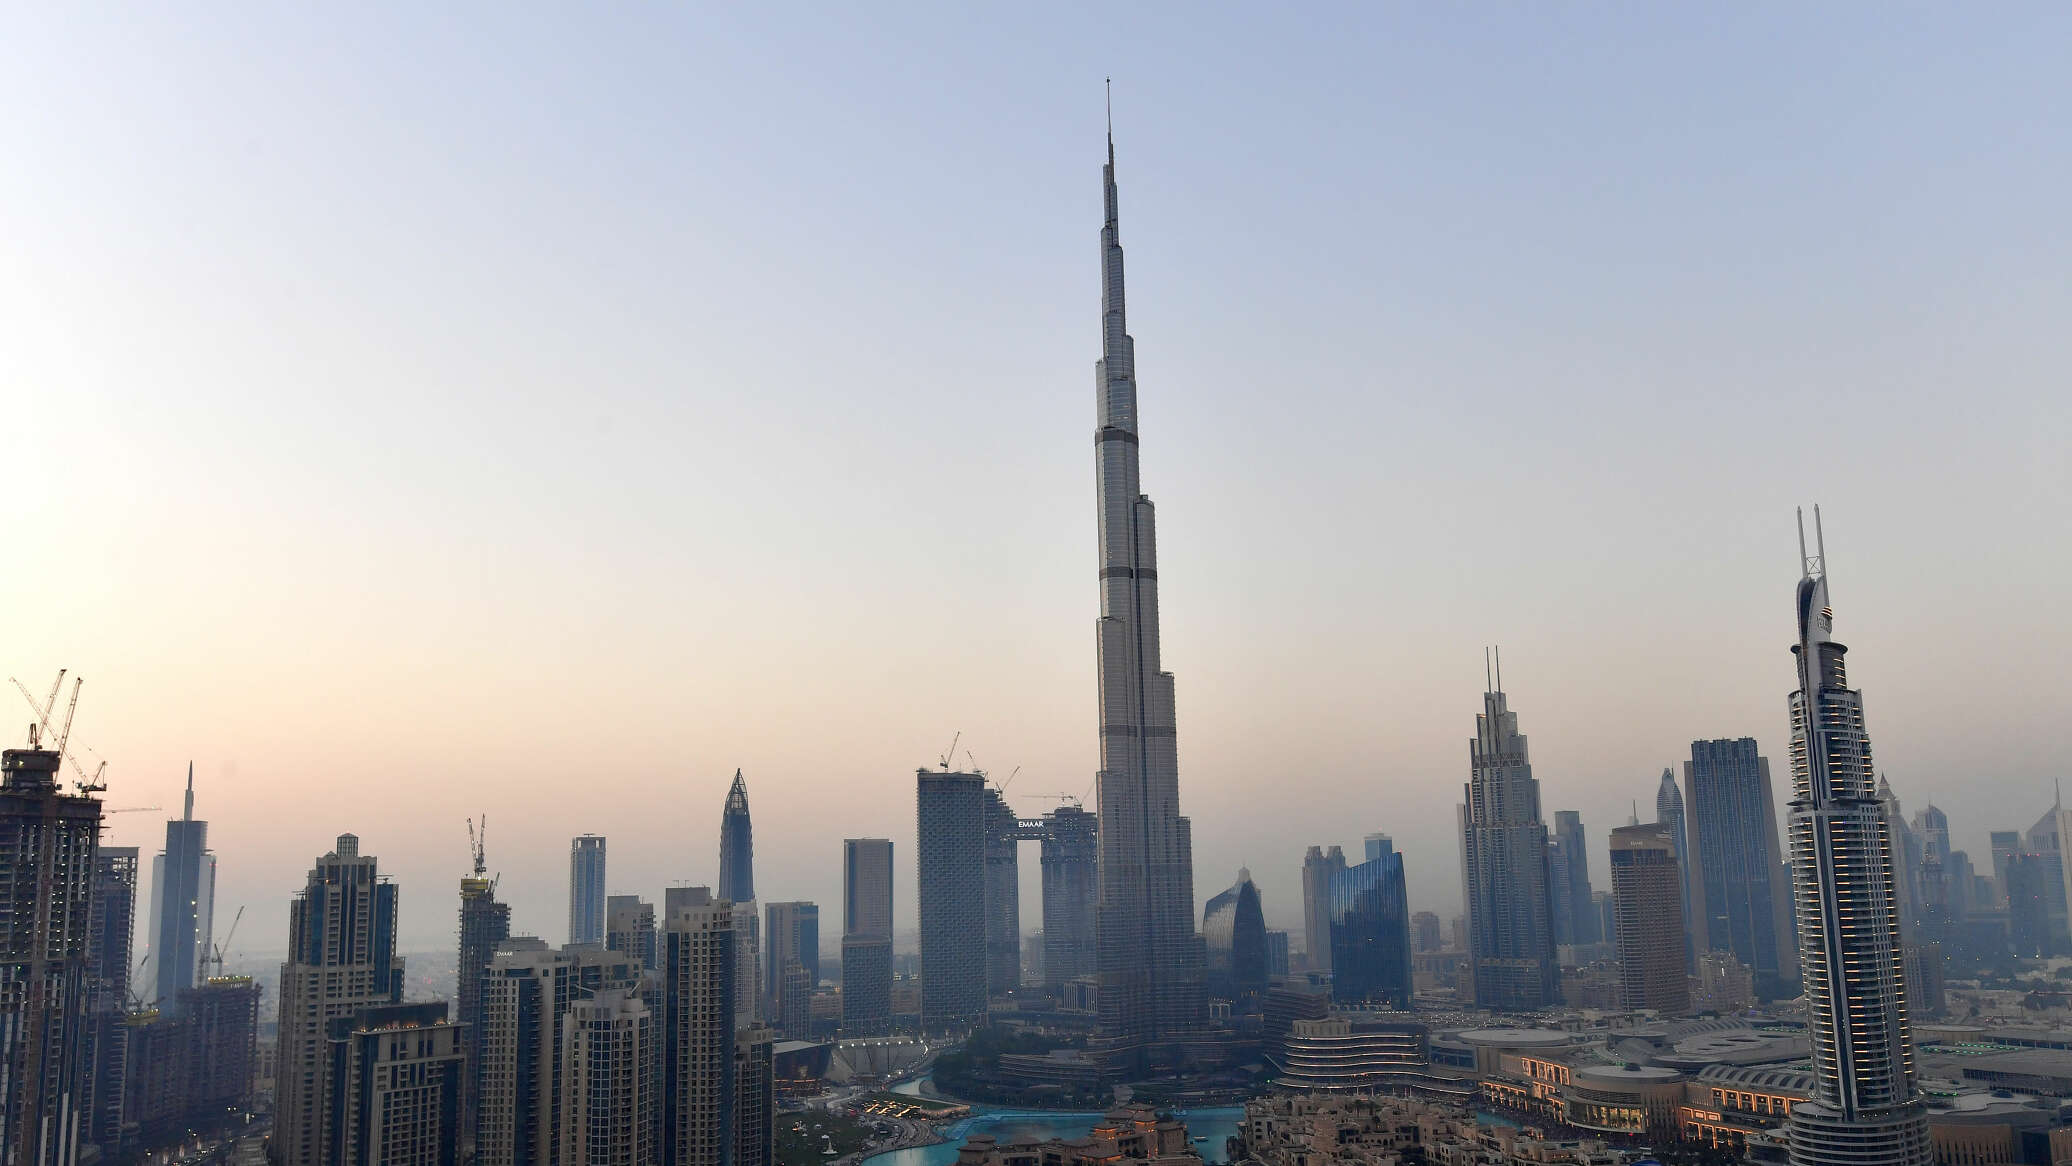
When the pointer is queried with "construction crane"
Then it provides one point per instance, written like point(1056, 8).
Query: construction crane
point(477, 840)
point(944, 760)
point(1009, 781)
point(221, 947)
point(132, 810)
point(1056, 797)
point(136, 999)
point(94, 784)
point(42, 710)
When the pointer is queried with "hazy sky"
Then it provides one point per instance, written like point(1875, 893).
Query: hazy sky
point(416, 412)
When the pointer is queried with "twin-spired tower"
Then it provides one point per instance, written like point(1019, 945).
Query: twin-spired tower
point(1148, 963)
point(1866, 1107)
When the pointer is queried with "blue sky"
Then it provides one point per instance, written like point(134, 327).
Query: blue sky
point(413, 412)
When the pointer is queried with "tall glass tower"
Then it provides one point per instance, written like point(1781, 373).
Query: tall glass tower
point(1148, 962)
point(1504, 855)
point(1865, 1107)
point(736, 846)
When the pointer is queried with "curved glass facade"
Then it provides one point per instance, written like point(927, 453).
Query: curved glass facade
point(1233, 929)
point(1369, 920)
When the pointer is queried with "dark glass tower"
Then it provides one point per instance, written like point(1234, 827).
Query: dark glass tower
point(1233, 930)
point(1736, 862)
point(1504, 852)
point(950, 841)
point(1148, 958)
point(484, 923)
point(1866, 1106)
point(1368, 920)
point(736, 846)
point(184, 888)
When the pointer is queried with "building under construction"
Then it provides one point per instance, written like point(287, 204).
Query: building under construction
point(48, 844)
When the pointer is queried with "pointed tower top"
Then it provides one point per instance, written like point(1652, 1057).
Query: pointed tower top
point(187, 814)
point(737, 795)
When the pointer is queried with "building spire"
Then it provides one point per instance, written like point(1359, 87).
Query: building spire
point(187, 815)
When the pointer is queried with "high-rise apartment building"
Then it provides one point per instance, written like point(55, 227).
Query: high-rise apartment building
point(717, 1094)
point(1369, 927)
point(48, 842)
point(484, 923)
point(1003, 905)
point(1148, 959)
point(183, 903)
point(1647, 905)
point(1424, 932)
point(736, 846)
point(1319, 866)
point(791, 936)
point(1735, 860)
point(112, 919)
point(586, 889)
point(395, 1081)
point(611, 1081)
point(341, 963)
point(1233, 931)
point(526, 996)
point(950, 845)
point(1866, 1105)
point(1504, 854)
point(629, 926)
point(866, 936)
point(1071, 877)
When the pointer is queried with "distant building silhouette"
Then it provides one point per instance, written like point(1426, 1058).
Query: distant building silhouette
point(586, 854)
point(1318, 868)
point(183, 903)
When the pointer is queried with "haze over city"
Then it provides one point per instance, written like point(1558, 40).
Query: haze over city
point(546, 414)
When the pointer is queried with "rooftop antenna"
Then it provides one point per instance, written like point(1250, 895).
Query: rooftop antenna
point(1820, 548)
point(1499, 667)
point(1488, 682)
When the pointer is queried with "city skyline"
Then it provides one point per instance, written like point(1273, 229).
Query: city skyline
point(259, 533)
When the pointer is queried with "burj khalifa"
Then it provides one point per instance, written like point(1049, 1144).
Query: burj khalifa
point(1148, 961)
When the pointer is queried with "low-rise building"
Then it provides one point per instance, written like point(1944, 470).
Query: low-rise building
point(1129, 1136)
point(1351, 1052)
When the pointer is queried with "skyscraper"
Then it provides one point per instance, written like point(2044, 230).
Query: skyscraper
point(791, 936)
point(526, 996)
point(866, 936)
point(586, 889)
point(700, 970)
point(48, 846)
point(484, 923)
point(394, 1079)
point(1369, 926)
point(1504, 852)
point(610, 1085)
point(951, 880)
point(1071, 878)
point(736, 846)
point(113, 919)
point(1669, 811)
point(1734, 850)
point(1866, 1107)
point(183, 901)
point(1150, 965)
point(1318, 868)
point(1568, 827)
point(1003, 896)
point(629, 926)
point(1647, 905)
point(341, 962)
point(1233, 929)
